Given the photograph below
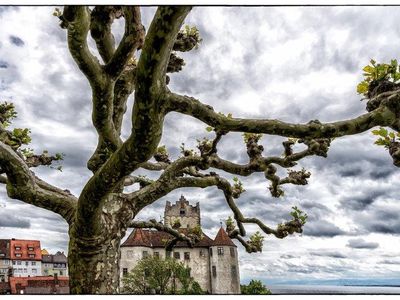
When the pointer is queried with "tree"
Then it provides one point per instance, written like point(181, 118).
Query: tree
point(153, 274)
point(255, 287)
point(99, 217)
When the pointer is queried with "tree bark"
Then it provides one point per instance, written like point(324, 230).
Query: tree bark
point(94, 263)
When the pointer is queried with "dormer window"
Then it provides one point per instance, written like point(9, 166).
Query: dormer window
point(17, 248)
point(32, 255)
point(30, 248)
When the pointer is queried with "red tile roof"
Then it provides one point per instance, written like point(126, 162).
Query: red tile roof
point(24, 253)
point(222, 239)
point(158, 239)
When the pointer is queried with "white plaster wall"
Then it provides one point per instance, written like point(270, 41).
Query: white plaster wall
point(223, 283)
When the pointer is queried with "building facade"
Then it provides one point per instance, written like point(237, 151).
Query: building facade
point(54, 264)
point(5, 261)
point(26, 258)
point(213, 262)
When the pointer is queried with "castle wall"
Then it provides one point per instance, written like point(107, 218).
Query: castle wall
point(186, 222)
point(130, 257)
point(199, 265)
point(225, 279)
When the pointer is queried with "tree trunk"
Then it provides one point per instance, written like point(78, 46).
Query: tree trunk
point(94, 263)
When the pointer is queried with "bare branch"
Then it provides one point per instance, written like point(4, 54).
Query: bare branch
point(102, 18)
point(22, 185)
point(131, 41)
point(190, 239)
point(78, 20)
point(383, 116)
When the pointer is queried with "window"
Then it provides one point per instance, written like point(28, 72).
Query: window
point(168, 253)
point(214, 271)
point(30, 248)
point(177, 255)
point(27, 263)
point(32, 255)
point(2, 255)
point(220, 250)
point(202, 253)
point(18, 254)
point(145, 254)
point(18, 262)
point(233, 272)
point(182, 212)
point(157, 254)
point(211, 252)
point(186, 255)
point(17, 248)
point(25, 270)
point(34, 271)
point(34, 263)
point(232, 252)
point(13, 262)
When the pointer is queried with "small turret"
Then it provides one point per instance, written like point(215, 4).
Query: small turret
point(224, 265)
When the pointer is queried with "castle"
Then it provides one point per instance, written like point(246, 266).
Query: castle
point(213, 262)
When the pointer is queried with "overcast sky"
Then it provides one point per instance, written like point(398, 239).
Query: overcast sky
point(291, 63)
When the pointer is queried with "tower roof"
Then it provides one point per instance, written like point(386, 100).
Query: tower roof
point(222, 239)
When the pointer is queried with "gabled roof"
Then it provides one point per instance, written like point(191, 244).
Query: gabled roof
point(222, 239)
point(157, 239)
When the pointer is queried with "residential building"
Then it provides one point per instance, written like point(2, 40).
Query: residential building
point(5, 261)
point(213, 262)
point(39, 285)
point(54, 264)
point(26, 258)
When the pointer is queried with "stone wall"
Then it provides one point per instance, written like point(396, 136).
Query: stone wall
point(225, 279)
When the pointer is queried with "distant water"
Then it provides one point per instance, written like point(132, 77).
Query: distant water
point(332, 289)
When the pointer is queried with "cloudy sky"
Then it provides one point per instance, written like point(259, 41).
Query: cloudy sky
point(290, 63)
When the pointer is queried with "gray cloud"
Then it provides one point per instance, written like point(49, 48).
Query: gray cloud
point(362, 244)
point(13, 221)
point(16, 41)
point(333, 254)
point(322, 229)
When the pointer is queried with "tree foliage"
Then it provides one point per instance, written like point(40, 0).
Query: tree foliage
point(155, 275)
point(255, 287)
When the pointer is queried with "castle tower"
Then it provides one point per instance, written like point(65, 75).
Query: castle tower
point(187, 215)
point(224, 265)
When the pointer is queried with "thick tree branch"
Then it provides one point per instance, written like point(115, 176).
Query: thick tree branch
point(102, 18)
point(131, 41)
point(78, 20)
point(382, 116)
point(24, 186)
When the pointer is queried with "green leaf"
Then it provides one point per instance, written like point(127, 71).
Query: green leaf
point(368, 69)
point(209, 128)
point(362, 87)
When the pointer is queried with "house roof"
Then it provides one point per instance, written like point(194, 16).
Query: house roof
point(39, 284)
point(222, 239)
point(4, 249)
point(25, 249)
point(57, 258)
point(157, 239)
